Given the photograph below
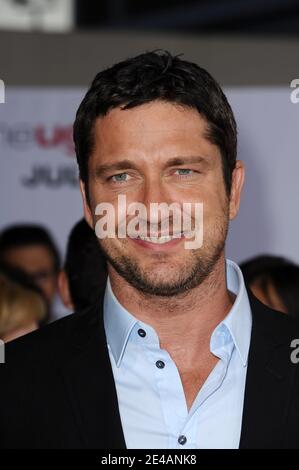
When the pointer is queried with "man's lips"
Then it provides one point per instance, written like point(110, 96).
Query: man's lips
point(151, 245)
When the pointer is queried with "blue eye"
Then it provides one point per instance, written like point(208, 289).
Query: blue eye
point(121, 177)
point(185, 171)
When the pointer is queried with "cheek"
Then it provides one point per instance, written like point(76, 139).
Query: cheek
point(214, 204)
point(216, 199)
point(215, 215)
point(217, 207)
point(96, 195)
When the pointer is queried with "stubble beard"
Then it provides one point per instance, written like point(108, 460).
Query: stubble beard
point(182, 277)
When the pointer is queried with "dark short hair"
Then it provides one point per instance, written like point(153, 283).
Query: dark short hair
point(20, 235)
point(282, 273)
point(151, 76)
point(85, 266)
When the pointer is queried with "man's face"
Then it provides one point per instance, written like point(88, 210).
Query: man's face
point(158, 152)
point(37, 261)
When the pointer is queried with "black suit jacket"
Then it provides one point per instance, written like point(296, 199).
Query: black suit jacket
point(57, 388)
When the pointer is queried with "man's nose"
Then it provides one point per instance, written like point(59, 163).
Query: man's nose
point(154, 192)
point(156, 199)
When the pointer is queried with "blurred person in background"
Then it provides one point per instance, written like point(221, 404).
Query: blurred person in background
point(22, 304)
point(32, 249)
point(84, 274)
point(274, 280)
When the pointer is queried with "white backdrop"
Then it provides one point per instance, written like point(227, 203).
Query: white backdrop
point(38, 173)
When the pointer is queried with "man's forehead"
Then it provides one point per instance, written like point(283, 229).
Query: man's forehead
point(158, 117)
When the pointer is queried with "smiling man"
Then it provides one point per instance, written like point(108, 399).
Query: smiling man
point(176, 353)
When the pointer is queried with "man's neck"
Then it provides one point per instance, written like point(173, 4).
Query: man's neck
point(184, 323)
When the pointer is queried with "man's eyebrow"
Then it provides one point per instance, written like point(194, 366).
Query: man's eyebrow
point(177, 161)
point(101, 170)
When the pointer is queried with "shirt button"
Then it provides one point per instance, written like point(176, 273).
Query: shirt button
point(160, 364)
point(182, 440)
point(141, 333)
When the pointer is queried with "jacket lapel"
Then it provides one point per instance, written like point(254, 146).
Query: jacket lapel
point(269, 379)
point(89, 381)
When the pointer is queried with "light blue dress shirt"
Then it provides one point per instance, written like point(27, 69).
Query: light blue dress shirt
point(151, 398)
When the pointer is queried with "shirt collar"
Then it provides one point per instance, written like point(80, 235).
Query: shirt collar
point(119, 323)
point(238, 322)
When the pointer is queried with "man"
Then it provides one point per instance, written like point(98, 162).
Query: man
point(176, 354)
point(30, 247)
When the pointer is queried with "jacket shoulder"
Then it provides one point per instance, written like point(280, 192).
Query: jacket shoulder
point(45, 344)
point(280, 326)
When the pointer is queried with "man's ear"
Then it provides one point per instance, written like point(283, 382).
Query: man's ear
point(238, 177)
point(86, 205)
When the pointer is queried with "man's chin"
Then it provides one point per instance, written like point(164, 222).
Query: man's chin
point(153, 279)
point(159, 289)
point(163, 281)
point(158, 276)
